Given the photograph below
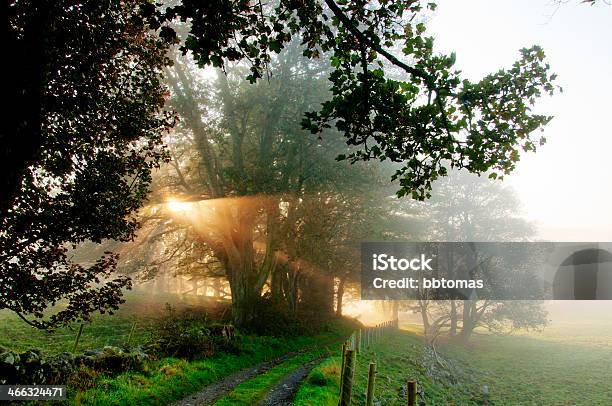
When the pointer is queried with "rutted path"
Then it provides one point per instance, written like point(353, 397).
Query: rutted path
point(284, 392)
point(217, 390)
point(220, 388)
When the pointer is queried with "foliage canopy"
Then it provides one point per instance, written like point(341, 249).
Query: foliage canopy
point(86, 127)
point(431, 119)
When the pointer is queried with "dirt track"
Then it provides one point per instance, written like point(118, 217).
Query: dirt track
point(284, 392)
point(216, 390)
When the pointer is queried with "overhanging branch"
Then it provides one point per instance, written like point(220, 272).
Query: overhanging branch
point(365, 40)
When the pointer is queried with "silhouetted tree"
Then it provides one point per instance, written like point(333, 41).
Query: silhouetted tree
point(85, 130)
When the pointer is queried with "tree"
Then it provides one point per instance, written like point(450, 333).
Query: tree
point(79, 151)
point(240, 149)
point(466, 208)
point(431, 120)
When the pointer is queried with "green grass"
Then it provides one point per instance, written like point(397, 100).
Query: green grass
point(255, 389)
point(535, 369)
point(322, 385)
point(402, 356)
point(398, 358)
point(141, 307)
point(103, 330)
point(525, 370)
point(161, 381)
point(171, 379)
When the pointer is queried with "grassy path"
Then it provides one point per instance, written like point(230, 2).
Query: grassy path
point(322, 385)
point(220, 388)
point(285, 390)
point(255, 390)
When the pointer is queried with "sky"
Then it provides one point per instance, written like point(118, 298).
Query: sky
point(566, 187)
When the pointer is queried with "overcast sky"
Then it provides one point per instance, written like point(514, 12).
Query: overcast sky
point(566, 187)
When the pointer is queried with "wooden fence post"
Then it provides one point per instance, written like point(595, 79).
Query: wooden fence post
point(371, 378)
point(411, 387)
point(485, 395)
point(342, 366)
point(131, 333)
point(78, 337)
point(347, 378)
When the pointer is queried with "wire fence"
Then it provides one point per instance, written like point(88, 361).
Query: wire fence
point(359, 341)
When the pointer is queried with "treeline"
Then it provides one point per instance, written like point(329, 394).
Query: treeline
point(252, 209)
point(251, 199)
point(254, 183)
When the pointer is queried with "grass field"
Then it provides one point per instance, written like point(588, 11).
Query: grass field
point(103, 330)
point(569, 363)
point(399, 357)
point(544, 369)
point(565, 365)
point(141, 308)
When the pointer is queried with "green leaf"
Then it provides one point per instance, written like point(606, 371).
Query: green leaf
point(276, 46)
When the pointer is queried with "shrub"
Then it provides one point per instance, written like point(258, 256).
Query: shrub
point(188, 334)
point(273, 318)
point(84, 378)
point(317, 378)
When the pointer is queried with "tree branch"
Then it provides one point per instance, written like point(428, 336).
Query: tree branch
point(367, 41)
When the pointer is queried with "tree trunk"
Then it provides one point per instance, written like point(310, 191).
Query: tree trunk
point(453, 319)
point(243, 306)
point(216, 286)
point(319, 293)
point(276, 282)
point(246, 287)
point(339, 297)
point(424, 316)
point(469, 312)
point(395, 310)
point(291, 283)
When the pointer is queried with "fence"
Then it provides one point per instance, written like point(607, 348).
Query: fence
point(358, 341)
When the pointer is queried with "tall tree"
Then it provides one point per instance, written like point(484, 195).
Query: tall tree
point(76, 163)
point(467, 208)
point(269, 203)
point(431, 120)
